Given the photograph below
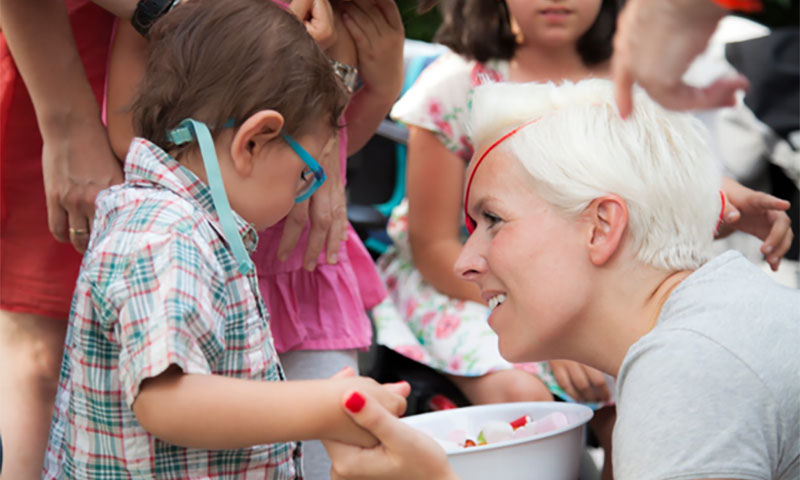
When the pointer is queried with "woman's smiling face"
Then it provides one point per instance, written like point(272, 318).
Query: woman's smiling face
point(528, 260)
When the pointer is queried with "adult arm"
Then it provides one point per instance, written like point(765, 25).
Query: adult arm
point(435, 184)
point(655, 43)
point(128, 57)
point(77, 161)
point(377, 30)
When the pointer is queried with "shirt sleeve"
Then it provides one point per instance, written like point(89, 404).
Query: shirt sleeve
point(170, 303)
point(438, 101)
point(687, 408)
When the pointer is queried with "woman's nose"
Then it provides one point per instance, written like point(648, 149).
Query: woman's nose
point(471, 263)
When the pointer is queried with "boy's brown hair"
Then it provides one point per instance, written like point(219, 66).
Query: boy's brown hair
point(215, 60)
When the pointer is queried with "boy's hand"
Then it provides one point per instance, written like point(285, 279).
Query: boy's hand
point(391, 397)
point(377, 30)
point(760, 215)
point(583, 383)
point(317, 16)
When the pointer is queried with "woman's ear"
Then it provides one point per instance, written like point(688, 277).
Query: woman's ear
point(252, 137)
point(607, 221)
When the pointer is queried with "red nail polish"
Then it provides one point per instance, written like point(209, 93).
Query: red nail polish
point(355, 403)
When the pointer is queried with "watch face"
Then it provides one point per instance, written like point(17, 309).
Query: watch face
point(347, 73)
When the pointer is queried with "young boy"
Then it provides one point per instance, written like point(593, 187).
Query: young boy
point(168, 346)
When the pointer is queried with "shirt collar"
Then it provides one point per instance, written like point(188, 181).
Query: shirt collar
point(148, 164)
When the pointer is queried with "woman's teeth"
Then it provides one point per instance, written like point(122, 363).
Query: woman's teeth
point(496, 300)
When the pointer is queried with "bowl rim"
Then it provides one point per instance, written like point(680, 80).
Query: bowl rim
point(576, 407)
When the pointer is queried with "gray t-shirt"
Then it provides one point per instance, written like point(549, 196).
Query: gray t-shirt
point(713, 391)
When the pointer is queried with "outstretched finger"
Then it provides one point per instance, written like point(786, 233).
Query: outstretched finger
point(765, 201)
point(779, 238)
point(292, 229)
point(623, 86)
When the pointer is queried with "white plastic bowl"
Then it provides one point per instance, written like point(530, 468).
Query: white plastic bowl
point(553, 455)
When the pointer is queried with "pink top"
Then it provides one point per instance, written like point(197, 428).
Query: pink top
point(325, 309)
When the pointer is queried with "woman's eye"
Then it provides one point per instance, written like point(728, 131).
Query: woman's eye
point(490, 218)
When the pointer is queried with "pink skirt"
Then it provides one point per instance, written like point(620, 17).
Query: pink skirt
point(321, 310)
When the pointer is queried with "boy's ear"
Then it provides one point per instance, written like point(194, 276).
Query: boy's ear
point(252, 136)
point(607, 221)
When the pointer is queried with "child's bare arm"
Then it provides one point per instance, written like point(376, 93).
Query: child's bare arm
point(377, 30)
point(125, 70)
point(435, 177)
point(217, 412)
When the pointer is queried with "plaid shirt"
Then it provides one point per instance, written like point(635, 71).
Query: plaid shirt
point(159, 286)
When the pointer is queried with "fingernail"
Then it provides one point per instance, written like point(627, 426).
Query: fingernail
point(333, 258)
point(355, 402)
point(310, 266)
point(731, 216)
point(767, 249)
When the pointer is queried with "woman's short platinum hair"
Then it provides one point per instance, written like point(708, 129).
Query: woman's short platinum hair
point(580, 149)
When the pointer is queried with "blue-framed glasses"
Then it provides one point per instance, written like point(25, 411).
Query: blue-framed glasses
point(311, 183)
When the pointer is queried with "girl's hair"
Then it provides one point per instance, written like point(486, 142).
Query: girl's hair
point(577, 148)
point(481, 30)
point(215, 60)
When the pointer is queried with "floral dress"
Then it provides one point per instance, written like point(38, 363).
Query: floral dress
point(447, 334)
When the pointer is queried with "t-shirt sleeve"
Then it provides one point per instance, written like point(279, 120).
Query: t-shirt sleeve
point(438, 101)
point(169, 300)
point(687, 408)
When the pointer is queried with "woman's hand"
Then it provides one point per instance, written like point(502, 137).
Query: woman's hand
point(402, 453)
point(655, 43)
point(583, 383)
point(759, 214)
point(77, 163)
point(377, 30)
point(327, 208)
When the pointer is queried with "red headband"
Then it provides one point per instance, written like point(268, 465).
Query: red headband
point(467, 219)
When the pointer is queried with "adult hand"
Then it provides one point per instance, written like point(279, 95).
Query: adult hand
point(77, 163)
point(655, 43)
point(581, 382)
point(377, 30)
point(402, 453)
point(317, 16)
point(327, 208)
point(759, 214)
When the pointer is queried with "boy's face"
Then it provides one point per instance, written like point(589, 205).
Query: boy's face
point(279, 176)
point(528, 260)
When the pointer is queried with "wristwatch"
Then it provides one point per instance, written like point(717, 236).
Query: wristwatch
point(147, 12)
point(348, 74)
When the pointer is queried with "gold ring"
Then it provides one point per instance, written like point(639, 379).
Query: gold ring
point(78, 231)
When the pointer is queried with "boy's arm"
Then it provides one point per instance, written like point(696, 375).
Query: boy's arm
point(128, 58)
point(217, 412)
point(377, 30)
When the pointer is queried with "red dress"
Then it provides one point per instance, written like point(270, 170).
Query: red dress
point(37, 273)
